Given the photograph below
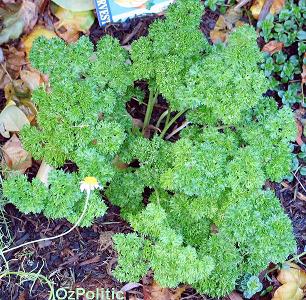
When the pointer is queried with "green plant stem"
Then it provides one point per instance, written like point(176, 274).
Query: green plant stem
point(163, 115)
point(169, 124)
point(152, 99)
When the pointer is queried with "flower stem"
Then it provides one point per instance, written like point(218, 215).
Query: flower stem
point(53, 237)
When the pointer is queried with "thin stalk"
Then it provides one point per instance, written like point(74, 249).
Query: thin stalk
point(294, 258)
point(168, 116)
point(53, 237)
point(162, 116)
point(33, 277)
point(169, 124)
point(150, 106)
point(170, 135)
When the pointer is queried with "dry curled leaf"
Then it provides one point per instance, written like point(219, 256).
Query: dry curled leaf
point(32, 78)
point(257, 6)
point(225, 25)
point(14, 23)
point(43, 173)
point(288, 291)
point(273, 47)
point(292, 273)
point(76, 5)
point(13, 60)
point(130, 286)
point(20, 93)
point(12, 119)
point(14, 156)
point(71, 23)
point(35, 33)
point(156, 292)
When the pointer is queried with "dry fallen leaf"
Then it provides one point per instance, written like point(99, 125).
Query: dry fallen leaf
point(11, 66)
point(43, 172)
point(273, 47)
point(14, 156)
point(225, 24)
point(14, 23)
point(299, 126)
point(288, 291)
point(219, 34)
point(156, 292)
point(32, 78)
point(70, 23)
point(14, 60)
point(12, 119)
point(257, 6)
point(76, 5)
point(35, 33)
point(292, 274)
point(19, 93)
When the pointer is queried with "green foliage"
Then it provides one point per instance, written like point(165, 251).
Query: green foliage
point(164, 252)
point(213, 4)
point(225, 75)
point(25, 196)
point(197, 206)
point(77, 121)
point(208, 202)
point(171, 47)
point(287, 28)
point(63, 199)
point(250, 285)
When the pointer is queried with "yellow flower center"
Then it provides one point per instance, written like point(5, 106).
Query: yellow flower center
point(90, 180)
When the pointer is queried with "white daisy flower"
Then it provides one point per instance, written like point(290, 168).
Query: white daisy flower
point(89, 184)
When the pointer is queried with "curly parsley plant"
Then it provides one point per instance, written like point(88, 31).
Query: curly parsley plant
point(207, 221)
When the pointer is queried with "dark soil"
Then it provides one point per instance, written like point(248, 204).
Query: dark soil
point(85, 257)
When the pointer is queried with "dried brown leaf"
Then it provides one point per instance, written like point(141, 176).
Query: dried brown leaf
point(43, 172)
point(257, 6)
point(273, 47)
point(299, 132)
point(17, 22)
point(225, 25)
point(12, 119)
point(14, 156)
point(156, 292)
point(292, 274)
point(33, 78)
point(19, 93)
point(71, 24)
point(217, 36)
point(15, 59)
point(288, 291)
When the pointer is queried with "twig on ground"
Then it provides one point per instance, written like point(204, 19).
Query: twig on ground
point(178, 129)
point(265, 10)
